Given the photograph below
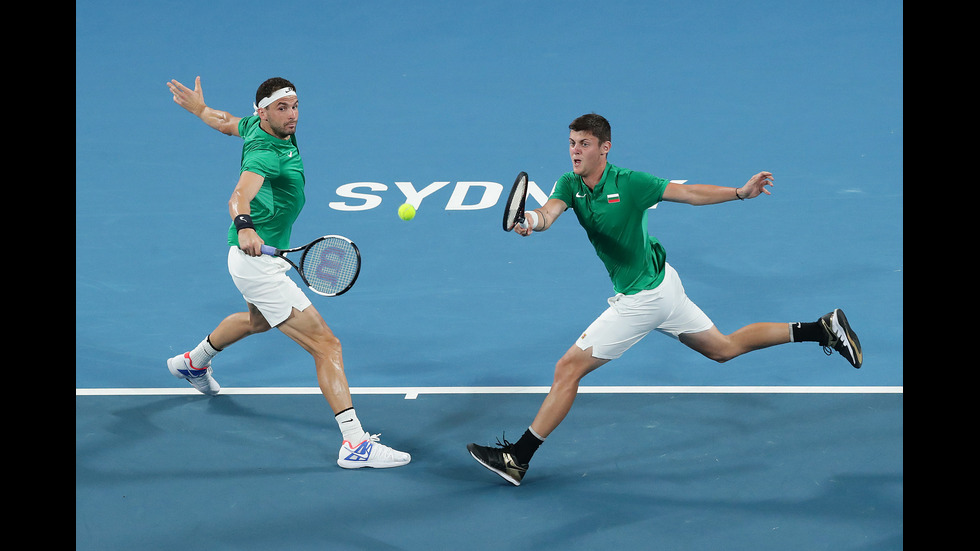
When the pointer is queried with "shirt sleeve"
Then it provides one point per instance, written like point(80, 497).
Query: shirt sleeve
point(647, 190)
point(564, 190)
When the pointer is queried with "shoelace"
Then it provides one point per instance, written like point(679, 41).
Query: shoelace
point(833, 339)
point(834, 343)
point(380, 448)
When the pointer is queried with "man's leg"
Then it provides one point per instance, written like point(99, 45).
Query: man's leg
point(238, 326)
point(311, 332)
point(359, 448)
point(569, 371)
point(510, 460)
point(721, 348)
point(195, 365)
point(831, 331)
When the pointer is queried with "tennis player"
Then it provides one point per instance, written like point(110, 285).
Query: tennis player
point(266, 201)
point(611, 205)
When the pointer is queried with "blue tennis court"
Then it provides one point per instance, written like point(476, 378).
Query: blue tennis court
point(446, 102)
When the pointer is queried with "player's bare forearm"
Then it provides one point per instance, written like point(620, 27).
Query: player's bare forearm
point(247, 188)
point(240, 204)
point(545, 216)
point(222, 121)
point(699, 194)
point(706, 194)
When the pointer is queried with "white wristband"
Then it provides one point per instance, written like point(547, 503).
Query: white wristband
point(533, 217)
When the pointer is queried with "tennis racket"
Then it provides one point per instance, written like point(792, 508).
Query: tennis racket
point(514, 209)
point(329, 265)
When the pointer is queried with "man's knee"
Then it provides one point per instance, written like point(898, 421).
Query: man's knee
point(720, 356)
point(711, 344)
point(309, 329)
point(256, 321)
point(575, 364)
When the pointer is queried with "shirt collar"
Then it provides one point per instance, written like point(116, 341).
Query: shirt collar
point(602, 181)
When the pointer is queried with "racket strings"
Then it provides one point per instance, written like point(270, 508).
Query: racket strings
point(515, 206)
point(330, 265)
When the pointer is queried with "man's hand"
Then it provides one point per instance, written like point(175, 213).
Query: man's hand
point(756, 186)
point(192, 100)
point(249, 242)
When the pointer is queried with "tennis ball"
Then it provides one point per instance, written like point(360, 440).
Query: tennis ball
point(406, 211)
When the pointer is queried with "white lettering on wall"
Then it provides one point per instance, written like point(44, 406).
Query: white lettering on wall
point(491, 192)
point(359, 196)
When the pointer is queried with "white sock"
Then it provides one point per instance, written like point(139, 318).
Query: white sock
point(202, 354)
point(350, 426)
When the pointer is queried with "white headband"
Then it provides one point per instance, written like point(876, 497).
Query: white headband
point(278, 94)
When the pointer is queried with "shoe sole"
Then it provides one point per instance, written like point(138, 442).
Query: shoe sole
point(352, 466)
point(852, 339)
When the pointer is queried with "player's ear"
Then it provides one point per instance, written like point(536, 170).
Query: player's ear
point(606, 146)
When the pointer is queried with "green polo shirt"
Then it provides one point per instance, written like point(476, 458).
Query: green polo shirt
point(281, 197)
point(614, 216)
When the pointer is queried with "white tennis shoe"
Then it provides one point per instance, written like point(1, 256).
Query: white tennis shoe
point(201, 379)
point(370, 452)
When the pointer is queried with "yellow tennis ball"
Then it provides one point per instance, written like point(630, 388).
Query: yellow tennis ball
point(406, 211)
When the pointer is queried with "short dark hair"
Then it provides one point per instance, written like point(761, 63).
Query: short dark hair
point(597, 125)
point(268, 87)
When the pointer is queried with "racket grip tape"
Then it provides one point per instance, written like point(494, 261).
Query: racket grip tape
point(266, 249)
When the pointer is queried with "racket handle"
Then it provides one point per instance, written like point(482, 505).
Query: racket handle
point(266, 249)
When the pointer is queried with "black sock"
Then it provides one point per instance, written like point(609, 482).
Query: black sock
point(526, 446)
point(808, 332)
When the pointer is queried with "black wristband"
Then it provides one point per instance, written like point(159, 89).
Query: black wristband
point(740, 198)
point(243, 221)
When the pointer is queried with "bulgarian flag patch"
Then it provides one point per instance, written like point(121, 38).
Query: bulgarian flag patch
point(613, 197)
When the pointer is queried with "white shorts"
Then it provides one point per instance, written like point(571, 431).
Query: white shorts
point(264, 283)
point(629, 318)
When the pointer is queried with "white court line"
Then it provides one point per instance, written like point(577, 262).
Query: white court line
point(411, 393)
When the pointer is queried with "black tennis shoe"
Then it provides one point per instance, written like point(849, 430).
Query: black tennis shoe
point(500, 460)
point(842, 338)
